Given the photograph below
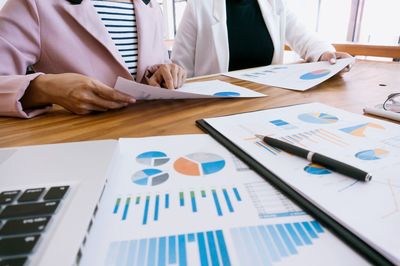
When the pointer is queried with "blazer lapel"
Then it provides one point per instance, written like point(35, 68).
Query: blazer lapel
point(220, 34)
point(86, 15)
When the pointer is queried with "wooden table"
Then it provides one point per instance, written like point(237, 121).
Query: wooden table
point(368, 82)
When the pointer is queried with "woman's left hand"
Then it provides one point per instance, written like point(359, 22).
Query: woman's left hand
point(169, 76)
point(332, 57)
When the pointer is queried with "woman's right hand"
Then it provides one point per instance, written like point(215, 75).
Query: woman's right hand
point(77, 93)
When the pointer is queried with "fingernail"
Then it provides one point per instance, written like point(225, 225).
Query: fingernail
point(332, 60)
point(132, 100)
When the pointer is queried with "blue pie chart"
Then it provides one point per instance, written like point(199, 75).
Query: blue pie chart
point(152, 158)
point(227, 94)
point(316, 169)
point(149, 177)
point(318, 118)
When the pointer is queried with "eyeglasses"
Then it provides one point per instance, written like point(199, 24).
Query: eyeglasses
point(392, 103)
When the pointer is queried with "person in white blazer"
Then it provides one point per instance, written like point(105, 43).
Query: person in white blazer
point(201, 45)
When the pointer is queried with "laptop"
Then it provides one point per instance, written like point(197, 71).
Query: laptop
point(48, 198)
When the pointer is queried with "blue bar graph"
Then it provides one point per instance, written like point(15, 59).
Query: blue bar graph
point(273, 242)
point(210, 247)
point(153, 207)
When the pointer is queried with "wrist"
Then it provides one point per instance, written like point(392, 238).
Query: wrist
point(37, 94)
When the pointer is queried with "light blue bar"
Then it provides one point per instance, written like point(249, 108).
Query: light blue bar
point(237, 195)
point(302, 234)
point(317, 227)
point(166, 201)
point(132, 252)
point(182, 250)
point(261, 254)
point(212, 248)
point(193, 200)
point(162, 242)
point(123, 250)
point(216, 201)
point(172, 250)
point(286, 239)
point(156, 208)
point(223, 251)
point(202, 249)
point(228, 200)
point(112, 253)
point(146, 210)
point(191, 237)
point(251, 254)
point(309, 229)
point(239, 247)
point(142, 252)
point(128, 200)
point(268, 243)
point(151, 258)
point(293, 234)
point(277, 241)
point(117, 205)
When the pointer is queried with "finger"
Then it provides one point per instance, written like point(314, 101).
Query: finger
point(182, 77)
point(167, 78)
point(331, 58)
point(108, 93)
point(153, 81)
point(175, 75)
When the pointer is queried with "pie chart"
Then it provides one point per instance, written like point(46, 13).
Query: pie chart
point(315, 74)
point(372, 155)
point(199, 164)
point(149, 177)
point(318, 118)
point(152, 158)
point(227, 94)
point(316, 169)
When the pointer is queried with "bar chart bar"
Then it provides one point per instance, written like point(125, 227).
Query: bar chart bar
point(228, 200)
point(172, 249)
point(216, 202)
point(237, 195)
point(166, 201)
point(146, 210)
point(127, 202)
point(193, 201)
point(156, 208)
point(117, 205)
point(181, 199)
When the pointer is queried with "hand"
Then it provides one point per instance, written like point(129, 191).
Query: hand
point(170, 76)
point(331, 57)
point(77, 93)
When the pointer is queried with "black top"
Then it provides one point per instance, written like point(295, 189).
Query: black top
point(250, 44)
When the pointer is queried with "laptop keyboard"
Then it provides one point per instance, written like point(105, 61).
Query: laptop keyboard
point(24, 216)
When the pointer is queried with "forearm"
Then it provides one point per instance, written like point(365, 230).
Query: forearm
point(36, 94)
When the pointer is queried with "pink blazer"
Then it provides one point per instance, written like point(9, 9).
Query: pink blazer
point(56, 37)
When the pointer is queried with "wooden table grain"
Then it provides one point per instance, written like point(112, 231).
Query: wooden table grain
point(369, 82)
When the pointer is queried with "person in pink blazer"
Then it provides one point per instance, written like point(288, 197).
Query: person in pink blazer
point(75, 61)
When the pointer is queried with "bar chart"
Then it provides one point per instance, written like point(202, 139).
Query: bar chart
point(270, 203)
point(313, 137)
point(254, 245)
point(150, 207)
point(266, 245)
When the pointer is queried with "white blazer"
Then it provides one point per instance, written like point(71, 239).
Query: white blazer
point(201, 44)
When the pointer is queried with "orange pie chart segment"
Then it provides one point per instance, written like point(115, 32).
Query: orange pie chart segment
point(187, 167)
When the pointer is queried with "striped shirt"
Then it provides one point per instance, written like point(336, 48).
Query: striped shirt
point(119, 19)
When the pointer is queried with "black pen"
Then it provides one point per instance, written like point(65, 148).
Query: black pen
point(317, 158)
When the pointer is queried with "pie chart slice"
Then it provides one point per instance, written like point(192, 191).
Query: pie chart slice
point(227, 94)
point(318, 118)
point(372, 155)
point(316, 169)
point(199, 164)
point(315, 74)
point(149, 177)
point(152, 158)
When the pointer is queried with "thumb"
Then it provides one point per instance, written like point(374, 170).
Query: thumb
point(331, 58)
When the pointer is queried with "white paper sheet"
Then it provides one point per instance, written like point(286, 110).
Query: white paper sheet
point(370, 210)
point(194, 90)
point(299, 77)
point(185, 200)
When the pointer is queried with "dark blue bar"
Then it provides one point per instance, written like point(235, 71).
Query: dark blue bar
point(146, 210)
point(191, 237)
point(222, 248)
point(182, 250)
point(228, 200)
point(286, 239)
point(317, 227)
point(193, 200)
point(172, 250)
point(117, 205)
point(202, 249)
point(181, 199)
point(151, 258)
point(277, 241)
point(161, 251)
point(293, 234)
point(128, 200)
point(237, 195)
point(216, 201)
point(166, 201)
point(309, 229)
point(156, 208)
point(303, 234)
point(212, 249)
